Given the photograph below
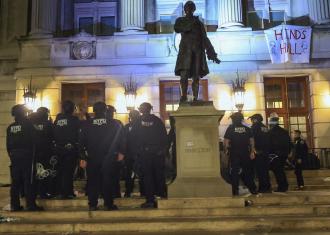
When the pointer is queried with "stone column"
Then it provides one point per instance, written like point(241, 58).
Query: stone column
point(319, 11)
point(43, 17)
point(230, 14)
point(65, 17)
point(132, 15)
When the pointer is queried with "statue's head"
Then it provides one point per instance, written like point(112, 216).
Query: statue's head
point(189, 8)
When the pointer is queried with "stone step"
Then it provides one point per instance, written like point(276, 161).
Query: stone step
point(291, 199)
point(124, 213)
point(162, 204)
point(311, 173)
point(231, 224)
point(310, 180)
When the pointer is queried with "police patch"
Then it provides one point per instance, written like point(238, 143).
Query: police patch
point(39, 127)
point(240, 130)
point(15, 129)
point(62, 122)
point(147, 124)
point(100, 121)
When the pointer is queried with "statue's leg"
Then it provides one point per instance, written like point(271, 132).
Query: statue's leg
point(184, 86)
point(195, 87)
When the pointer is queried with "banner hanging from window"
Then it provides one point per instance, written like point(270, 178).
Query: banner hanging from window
point(289, 43)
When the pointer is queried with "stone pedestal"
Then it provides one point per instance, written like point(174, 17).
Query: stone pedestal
point(319, 11)
point(198, 157)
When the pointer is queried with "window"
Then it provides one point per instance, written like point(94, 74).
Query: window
point(96, 17)
point(86, 24)
point(288, 97)
point(170, 96)
point(108, 25)
point(260, 20)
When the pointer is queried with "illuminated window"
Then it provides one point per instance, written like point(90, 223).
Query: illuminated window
point(273, 94)
point(84, 95)
point(288, 97)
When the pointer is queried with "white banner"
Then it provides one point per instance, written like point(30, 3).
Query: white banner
point(289, 43)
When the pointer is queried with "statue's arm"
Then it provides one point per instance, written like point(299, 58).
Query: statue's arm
point(182, 25)
point(211, 54)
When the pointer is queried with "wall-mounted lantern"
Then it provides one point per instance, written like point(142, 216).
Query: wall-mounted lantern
point(130, 94)
point(239, 92)
point(30, 95)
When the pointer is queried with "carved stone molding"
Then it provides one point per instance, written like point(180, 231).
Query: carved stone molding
point(83, 50)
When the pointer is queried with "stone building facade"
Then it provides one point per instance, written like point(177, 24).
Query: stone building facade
point(85, 50)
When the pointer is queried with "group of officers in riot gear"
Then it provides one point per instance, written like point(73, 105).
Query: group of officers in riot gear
point(100, 144)
point(44, 155)
point(260, 149)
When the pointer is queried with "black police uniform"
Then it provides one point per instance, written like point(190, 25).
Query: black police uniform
point(280, 147)
point(118, 166)
point(131, 163)
point(98, 136)
point(150, 134)
point(44, 146)
point(239, 156)
point(300, 153)
point(20, 147)
point(66, 132)
point(262, 141)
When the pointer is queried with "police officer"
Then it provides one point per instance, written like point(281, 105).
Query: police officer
point(66, 132)
point(239, 144)
point(44, 146)
point(150, 133)
point(300, 153)
point(261, 138)
point(102, 140)
point(280, 147)
point(118, 165)
point(20, 147)
point(131, 155)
